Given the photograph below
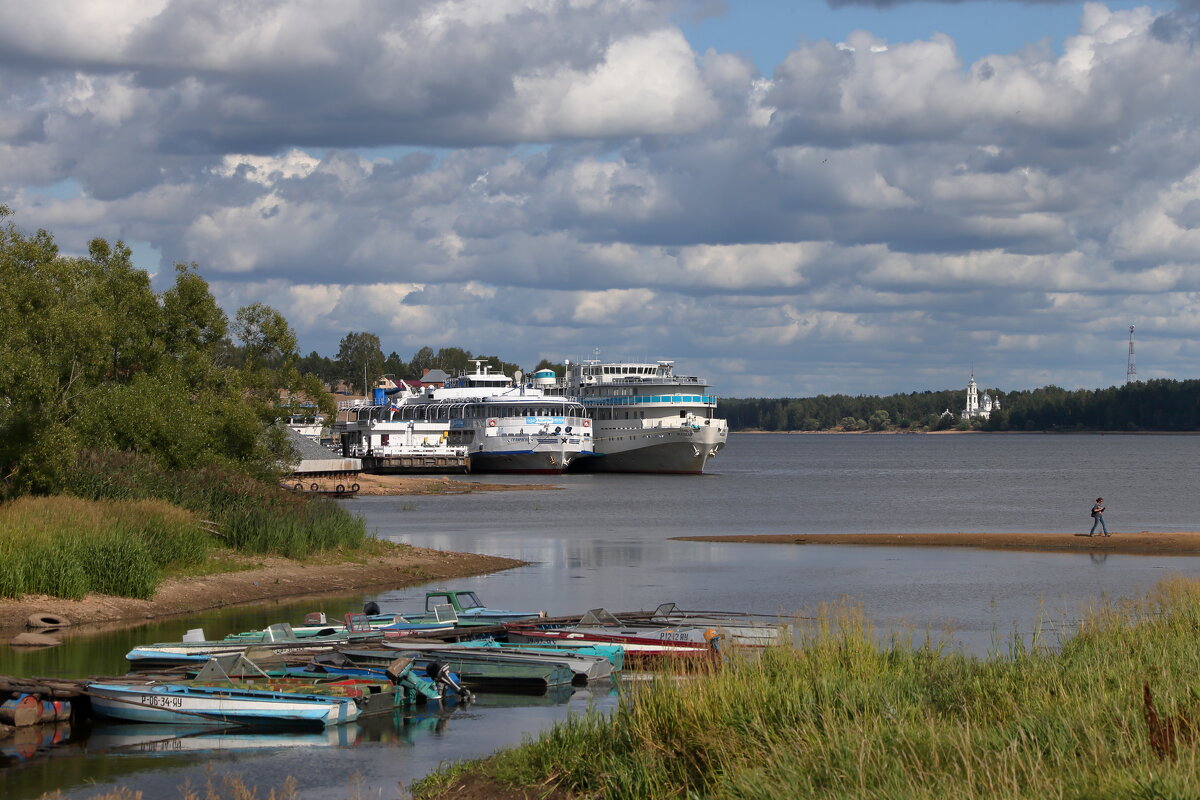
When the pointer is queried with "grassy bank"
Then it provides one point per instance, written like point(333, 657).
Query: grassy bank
point(252, 515)
point(68, 546)
point(127, 523)
point(839, 716)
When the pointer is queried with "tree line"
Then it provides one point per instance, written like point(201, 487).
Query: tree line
point(1157, 405)
point(360, 362)
point(145, 421)
point(92, 359)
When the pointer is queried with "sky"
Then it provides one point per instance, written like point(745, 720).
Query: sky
point(787, 198)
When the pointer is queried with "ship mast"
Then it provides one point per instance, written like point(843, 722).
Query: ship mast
point(1131, 367)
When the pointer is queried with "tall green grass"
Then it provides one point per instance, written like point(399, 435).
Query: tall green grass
point(838, 716)
point(124, 520)
point(252, 515)
point(67, 546)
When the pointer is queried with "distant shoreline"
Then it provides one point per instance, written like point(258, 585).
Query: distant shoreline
point(1143, 543)
point(964, 433)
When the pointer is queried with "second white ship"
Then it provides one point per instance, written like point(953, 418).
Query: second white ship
point(645, 418)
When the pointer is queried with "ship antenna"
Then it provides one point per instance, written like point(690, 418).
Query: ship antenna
point(1131, 367)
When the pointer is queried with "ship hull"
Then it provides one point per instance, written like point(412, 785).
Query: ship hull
point(682, 451)
point(529, 454)
point(528, 463)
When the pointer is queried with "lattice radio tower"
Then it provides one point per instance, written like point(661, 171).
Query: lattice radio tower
point(1131, 369)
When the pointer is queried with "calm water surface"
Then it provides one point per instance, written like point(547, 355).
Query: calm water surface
point(605, 540)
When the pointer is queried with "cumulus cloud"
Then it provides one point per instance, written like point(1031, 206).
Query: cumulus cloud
point(541, 177)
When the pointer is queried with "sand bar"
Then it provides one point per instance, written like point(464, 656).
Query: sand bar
point(1144, 543)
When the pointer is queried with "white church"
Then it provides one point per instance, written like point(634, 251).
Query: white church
point(977, 406)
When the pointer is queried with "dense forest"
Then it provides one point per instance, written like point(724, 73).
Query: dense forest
point(1158, 405)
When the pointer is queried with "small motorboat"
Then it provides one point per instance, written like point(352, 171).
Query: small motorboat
point(586, 667)
point(477, 669)
point(745, 630)
point(640, 640)
point(466, 608)
point(233, 690)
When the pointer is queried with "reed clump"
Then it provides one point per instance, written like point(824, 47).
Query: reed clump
point(125, 522)
point(1111, 713)
point(68, 546)
point(251, 515)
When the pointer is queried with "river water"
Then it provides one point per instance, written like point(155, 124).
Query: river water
point(606, 541)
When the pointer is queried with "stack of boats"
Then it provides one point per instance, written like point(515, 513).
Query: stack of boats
point(321, 674)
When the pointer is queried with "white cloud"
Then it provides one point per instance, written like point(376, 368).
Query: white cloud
point(537, 177)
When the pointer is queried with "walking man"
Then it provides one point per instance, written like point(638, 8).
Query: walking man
point(1098, 517)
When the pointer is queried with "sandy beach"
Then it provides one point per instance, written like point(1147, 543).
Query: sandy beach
point(1142, 543)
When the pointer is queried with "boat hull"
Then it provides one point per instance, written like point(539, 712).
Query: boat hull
point(529, 462)
point(485, 672)
point(682, 450)
point(181, 704)
point(586, 667)
point(638, 648)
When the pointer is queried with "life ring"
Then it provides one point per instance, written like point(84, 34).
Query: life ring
point(587, 423)
point(491, 423)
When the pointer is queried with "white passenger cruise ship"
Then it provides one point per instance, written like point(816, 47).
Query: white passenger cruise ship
point(645, 418)
point(501, 425)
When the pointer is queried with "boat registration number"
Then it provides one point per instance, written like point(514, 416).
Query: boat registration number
point(673, 636)
point(162, 701)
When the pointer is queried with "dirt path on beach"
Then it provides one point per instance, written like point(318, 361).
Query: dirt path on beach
point(271, 578)
point(1143, 543)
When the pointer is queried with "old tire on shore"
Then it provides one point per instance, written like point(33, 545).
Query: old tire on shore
point(314, 487)
point(341, 488)
point(47, 621)
point(354, 487)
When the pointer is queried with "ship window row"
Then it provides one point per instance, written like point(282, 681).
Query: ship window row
point(448, 411)
point(621, 371)
point(655, 398)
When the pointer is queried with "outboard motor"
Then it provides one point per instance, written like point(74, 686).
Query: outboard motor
point(371, 608)
point(439, 672)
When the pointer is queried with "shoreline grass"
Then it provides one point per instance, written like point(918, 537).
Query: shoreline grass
point(839, 716)
point(67, 546)
point(124, 524)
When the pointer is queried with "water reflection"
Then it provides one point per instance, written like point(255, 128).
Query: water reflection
point(386, 750)
point(604, 541)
